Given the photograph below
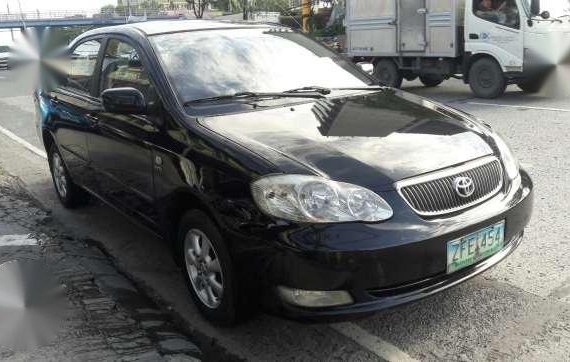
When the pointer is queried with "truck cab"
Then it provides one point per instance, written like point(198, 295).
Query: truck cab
point(487, 43)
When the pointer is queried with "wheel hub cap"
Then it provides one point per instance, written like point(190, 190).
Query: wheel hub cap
point(203, 268)
point(59, 177)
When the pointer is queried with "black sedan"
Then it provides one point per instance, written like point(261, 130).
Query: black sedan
point(281, 174)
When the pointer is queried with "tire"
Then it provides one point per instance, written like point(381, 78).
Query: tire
point(388, 74)
point(486, 79)
point(210, 278)
point(531, 87)
point(430, 80)
point(70, 195)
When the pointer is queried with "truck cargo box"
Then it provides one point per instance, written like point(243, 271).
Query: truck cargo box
point(423, 28)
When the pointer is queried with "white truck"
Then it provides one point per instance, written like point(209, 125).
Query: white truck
point(487, 43)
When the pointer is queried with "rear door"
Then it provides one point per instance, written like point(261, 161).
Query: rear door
point(71, 103)
point(412, 19)
point(120, 146)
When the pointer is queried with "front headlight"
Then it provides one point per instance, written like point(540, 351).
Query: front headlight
point(315, 199)
point(511, 164)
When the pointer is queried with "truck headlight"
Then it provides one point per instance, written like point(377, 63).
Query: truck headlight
point(512, 167)
point(313, 199)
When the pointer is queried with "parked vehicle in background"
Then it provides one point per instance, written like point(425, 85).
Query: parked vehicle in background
point(280, 174)
point(489, 43)
point(5, 57)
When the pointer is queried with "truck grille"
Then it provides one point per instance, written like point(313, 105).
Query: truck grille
point(435, 194)
point(4, 64)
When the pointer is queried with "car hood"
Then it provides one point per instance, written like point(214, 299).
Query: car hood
point(372, 139)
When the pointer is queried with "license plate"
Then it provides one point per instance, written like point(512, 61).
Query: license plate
point(474, 247)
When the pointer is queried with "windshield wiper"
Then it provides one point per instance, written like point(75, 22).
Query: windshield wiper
point(255, 95)
point(310, 89)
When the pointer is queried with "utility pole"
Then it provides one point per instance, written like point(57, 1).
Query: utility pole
point(306, 14)
point(11, 29)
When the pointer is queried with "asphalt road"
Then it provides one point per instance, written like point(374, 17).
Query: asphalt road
point(520, 310)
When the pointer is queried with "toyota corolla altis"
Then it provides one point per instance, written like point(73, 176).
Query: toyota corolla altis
point(281, 174)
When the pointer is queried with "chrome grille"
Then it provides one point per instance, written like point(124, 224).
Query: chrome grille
point(434, 194)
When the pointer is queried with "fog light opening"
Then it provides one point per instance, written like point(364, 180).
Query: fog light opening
point(315, 298)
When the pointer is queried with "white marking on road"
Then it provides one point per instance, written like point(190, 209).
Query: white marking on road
point(22, 142)
point(372, 343)
point(17, 240)
point(520, 107)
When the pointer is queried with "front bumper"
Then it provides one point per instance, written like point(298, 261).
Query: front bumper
point(396, 271)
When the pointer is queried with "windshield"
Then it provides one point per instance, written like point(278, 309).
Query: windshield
point(556, 8)
point(204, 64)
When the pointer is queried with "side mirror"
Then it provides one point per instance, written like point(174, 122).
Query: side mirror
point(123, 101)
point(535, 7)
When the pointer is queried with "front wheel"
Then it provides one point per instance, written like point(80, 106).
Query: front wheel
point(208, 269)
point(70, 195)
point(486, 79)
point(388, 74)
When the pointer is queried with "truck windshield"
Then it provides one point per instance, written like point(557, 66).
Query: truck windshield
point(204, 64)
point(556, 8)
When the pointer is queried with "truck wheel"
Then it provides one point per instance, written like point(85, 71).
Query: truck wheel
point(531, 86)
point(430, 80)
point(388, 74)
point(487, 79)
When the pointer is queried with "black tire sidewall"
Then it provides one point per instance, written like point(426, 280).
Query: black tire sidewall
point(226, 314)
point(389, 67)
point(499, 85)
point(431, 80)
point(531, 87)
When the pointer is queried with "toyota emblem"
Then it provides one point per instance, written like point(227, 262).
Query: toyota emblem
point(464, 186)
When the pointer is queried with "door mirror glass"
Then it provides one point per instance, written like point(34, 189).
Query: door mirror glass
point(123, 101)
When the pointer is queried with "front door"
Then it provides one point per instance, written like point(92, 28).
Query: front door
point(412, 18)
point(120, 148)
point(495, 27)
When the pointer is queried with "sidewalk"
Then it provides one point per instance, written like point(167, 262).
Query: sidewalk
point(108, 317)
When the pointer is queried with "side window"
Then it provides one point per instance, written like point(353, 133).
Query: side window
point(502, 12)
point(81, 66)
point(122, 67)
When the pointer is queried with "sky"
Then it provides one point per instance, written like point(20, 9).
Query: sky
point(47, 5)
point(33, 5)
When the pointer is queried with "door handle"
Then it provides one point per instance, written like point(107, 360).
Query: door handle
point(422, 11)
point(473, 36)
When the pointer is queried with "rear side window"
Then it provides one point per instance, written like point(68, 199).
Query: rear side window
point(81, 66)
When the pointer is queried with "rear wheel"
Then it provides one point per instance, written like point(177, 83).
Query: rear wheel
point(70, 195)
point(388, 74)
point(208, 269)
point(531, 86)
point(486, 79)
point(431, 80)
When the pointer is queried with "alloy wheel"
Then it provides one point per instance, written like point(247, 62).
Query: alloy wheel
point(203, 268)
point(59, 175)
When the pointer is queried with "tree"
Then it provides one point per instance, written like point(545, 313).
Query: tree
point(108, 10)
point(198, 7)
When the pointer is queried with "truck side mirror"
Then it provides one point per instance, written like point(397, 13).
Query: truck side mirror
point(535, 7)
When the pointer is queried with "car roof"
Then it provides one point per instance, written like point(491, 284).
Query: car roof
point(172, 26)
